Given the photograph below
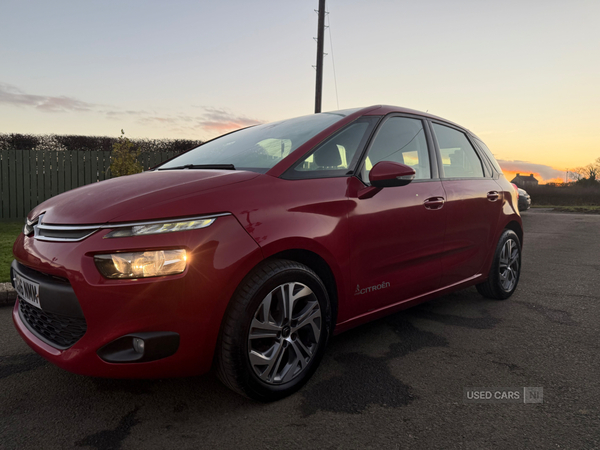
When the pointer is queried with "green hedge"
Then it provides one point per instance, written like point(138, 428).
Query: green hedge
point(565, 195)
point(53, 142)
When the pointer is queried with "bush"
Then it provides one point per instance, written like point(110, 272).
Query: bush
point(19, 141)
point(124, 157)
point(75, 143)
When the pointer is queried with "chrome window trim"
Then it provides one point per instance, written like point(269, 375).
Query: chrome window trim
point(94, 228)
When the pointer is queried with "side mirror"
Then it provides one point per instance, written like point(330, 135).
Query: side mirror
point(388, 174)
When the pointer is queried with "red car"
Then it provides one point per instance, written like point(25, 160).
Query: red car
point(250, 251)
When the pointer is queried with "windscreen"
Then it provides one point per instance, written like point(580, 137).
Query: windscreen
point(258, 148)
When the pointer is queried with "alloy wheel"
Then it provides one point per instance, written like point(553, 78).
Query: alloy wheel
point(509, 265)
point(284, 333)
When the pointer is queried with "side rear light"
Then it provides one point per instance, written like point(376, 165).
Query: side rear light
point(516, 187)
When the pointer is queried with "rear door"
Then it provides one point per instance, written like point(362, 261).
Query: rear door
point(397, 235)
point(473, 204)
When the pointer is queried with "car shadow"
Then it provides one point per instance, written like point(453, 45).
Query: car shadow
point(354, 374)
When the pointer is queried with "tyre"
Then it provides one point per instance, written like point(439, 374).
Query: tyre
point(274, 332)
point(506, 268)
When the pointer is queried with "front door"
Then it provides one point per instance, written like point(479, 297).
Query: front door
point(397, 235)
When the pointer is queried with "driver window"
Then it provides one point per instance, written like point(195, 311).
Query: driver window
point(338, 154)
point(402, 140)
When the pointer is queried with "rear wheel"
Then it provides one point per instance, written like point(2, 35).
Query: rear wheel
point(274, 332)
point(506, 268)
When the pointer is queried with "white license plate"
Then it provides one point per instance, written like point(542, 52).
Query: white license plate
point(27, 290)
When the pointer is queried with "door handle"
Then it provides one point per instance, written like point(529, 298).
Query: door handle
point(492, 196)
point(434, 203)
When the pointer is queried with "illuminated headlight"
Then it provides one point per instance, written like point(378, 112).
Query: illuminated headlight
point(159, 228)
point(142, 264)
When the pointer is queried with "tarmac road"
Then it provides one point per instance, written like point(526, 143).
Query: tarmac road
point(396, 383)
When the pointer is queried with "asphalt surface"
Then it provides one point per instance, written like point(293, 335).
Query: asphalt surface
point(396, 383)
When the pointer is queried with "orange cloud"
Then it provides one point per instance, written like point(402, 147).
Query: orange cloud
point(224, 127)
point(218, 120)
point(555, 180)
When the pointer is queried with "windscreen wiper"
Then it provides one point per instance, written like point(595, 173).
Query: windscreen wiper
point(202, 166)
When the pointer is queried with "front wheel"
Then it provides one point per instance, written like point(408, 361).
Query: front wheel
point(274, 332)
point(506, 268)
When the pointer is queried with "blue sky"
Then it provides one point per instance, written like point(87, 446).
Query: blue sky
point(521, 74)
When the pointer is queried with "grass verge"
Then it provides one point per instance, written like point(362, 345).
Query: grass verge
point(572, 209)
point(8, 234)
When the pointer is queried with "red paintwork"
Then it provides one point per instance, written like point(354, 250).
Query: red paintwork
point(385, 237)
point(190, 304)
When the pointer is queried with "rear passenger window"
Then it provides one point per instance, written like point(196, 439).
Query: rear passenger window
point(489, 154)
point(459, 159)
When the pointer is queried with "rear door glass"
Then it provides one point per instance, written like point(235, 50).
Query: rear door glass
point(459, 158)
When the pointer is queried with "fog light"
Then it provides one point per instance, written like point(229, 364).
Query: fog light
point(138, 345)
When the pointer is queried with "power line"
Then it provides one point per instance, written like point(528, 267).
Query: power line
point(333, 62)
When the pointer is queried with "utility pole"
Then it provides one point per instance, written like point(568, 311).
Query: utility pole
point(320, 39)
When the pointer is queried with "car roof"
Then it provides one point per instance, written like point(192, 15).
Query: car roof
point(348, 116)
point(382, 110)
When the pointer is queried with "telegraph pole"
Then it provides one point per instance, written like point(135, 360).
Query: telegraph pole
point(320, 38)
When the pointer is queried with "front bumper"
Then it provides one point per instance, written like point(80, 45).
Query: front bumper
point(190, 305)
point(524, 203)
point(60, 322)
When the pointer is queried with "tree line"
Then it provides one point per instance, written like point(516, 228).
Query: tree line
point(124, 151)
point(54, 142)
point(587, 175)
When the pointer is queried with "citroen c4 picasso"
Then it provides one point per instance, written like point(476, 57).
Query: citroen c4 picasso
point(248, 252)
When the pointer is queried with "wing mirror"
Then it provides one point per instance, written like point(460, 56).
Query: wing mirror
point(388, 174)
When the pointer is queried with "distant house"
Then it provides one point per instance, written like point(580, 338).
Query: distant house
point(525, 181)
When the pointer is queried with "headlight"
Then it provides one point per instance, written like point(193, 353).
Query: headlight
point(28, 228)
point(159, 228)
point(141, 264)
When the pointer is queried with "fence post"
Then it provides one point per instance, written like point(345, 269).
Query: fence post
point(94, 164)
point(12, 190)
point(4, 184)
point(26, 182)
point(54, 172)
point(47, 175)
point(60, 171)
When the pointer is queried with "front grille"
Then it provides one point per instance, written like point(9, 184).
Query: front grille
point(50, 233)
point(61, 233)
point(59, 331)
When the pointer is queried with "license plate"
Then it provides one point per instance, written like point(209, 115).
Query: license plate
point(27, 290)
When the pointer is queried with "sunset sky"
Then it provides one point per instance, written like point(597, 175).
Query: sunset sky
point(523, 75)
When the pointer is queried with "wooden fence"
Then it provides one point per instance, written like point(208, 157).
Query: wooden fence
point(28, 177)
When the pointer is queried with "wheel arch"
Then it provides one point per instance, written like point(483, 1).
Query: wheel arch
point(318, 264)
point(516, 227)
